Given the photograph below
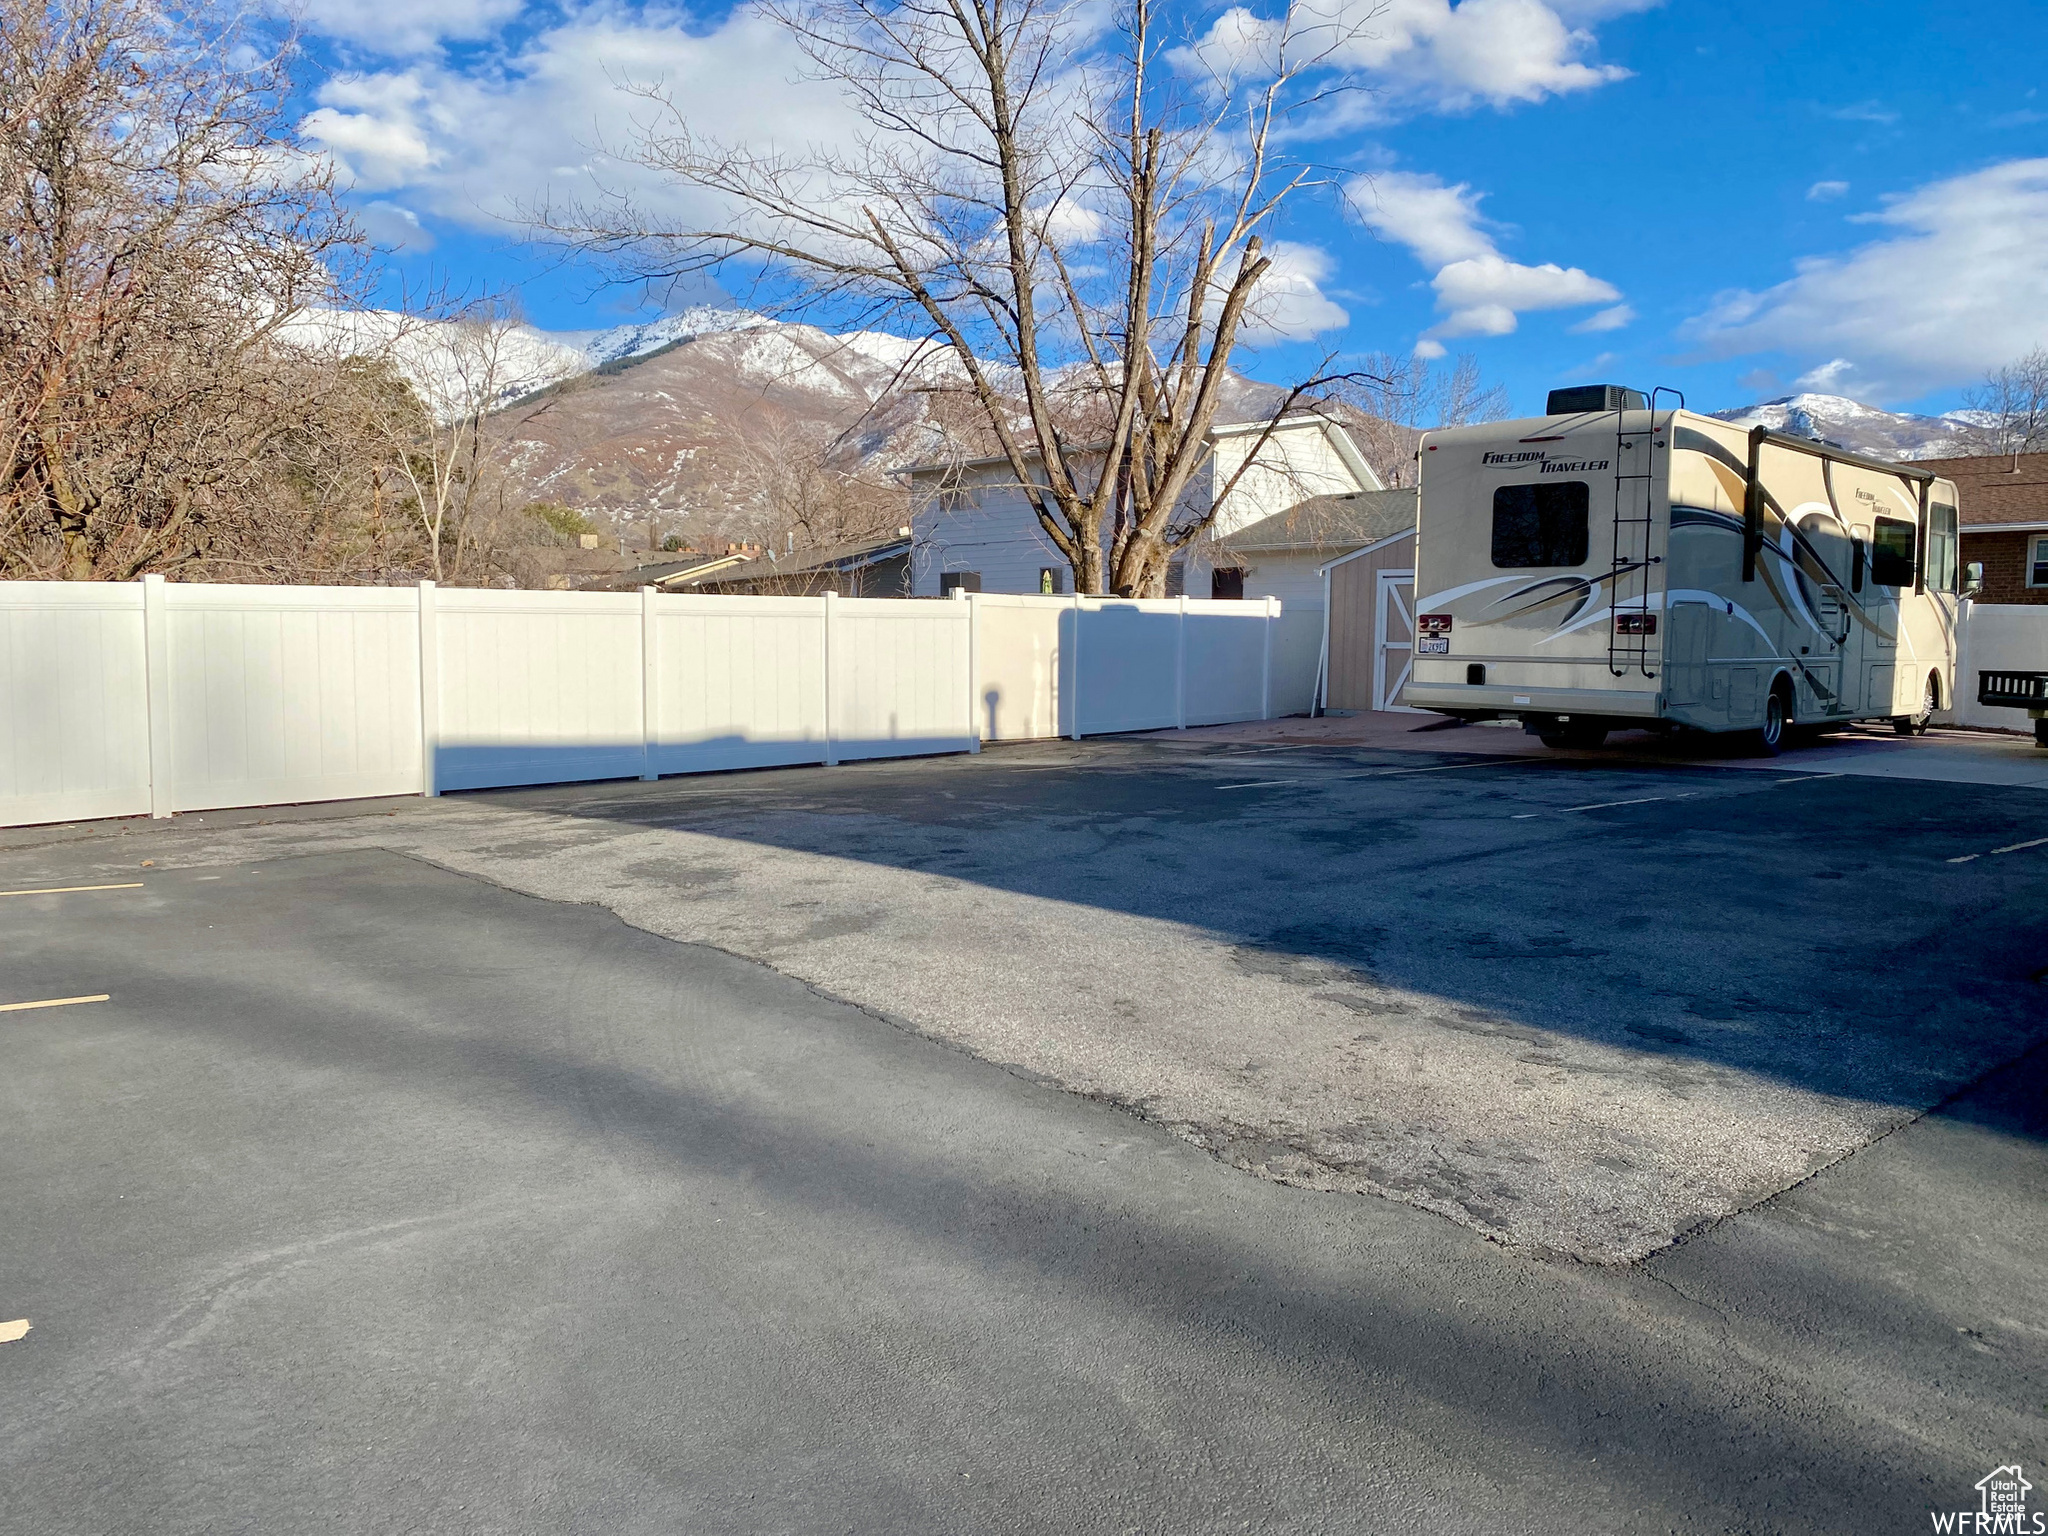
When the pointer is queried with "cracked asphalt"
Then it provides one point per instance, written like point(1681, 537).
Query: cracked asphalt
point(876, 1171)
point(1581, 1006)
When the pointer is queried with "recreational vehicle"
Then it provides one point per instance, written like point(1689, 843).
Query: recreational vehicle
point(1617, 564)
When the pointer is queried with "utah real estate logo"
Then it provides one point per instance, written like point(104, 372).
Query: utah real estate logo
point(2002, 1510)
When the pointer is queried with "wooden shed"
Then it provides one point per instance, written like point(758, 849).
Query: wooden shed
point(1368, 609)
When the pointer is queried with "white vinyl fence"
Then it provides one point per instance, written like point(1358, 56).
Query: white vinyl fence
point(1994, 637)
point(152, 697)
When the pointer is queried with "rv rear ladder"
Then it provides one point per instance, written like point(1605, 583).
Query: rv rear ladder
point(1632, 641)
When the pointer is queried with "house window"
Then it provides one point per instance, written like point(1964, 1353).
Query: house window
point(2037, 562)
point(958, 581)
point(1052, 581)
point(1227, 582)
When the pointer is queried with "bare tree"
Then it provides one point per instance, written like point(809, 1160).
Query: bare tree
point(1398, 399)
point(440, 438)
point(805, 485)
point(2015, 401)
point(1079, 224)
point(164, 233)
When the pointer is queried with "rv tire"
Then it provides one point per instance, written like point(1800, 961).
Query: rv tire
point(1930, 701)
point(1574, 737)
point(1768, 739)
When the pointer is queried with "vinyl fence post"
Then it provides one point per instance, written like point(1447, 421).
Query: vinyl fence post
point(430, 689)
point(1960, 697)
point(650, 689)
point(1074, 665)
point(974, 671)
point(1266, 681)
point(156, 647)
point(1180, 668)
point(831, 601)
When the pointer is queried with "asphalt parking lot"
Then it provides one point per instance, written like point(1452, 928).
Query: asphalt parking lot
point(1146, 1134)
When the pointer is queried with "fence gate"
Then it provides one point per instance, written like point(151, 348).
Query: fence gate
point(1393, 652)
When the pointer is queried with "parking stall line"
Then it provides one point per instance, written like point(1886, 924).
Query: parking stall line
point(65, 890)
point(54, 1002)
point(2008, 848)
point(1384, 773)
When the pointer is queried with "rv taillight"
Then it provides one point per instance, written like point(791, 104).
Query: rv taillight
point(1635, 623)
point(1433, 624)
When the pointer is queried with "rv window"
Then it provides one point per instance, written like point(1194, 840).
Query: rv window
point(1856, 561)
point(1539, 526)
point(1891, 553)
point(1941, 548)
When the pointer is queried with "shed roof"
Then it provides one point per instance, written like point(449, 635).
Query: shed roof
point(1329, 524)
point(850, 555)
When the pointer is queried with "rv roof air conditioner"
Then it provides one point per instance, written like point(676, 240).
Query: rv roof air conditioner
point(1593, 397)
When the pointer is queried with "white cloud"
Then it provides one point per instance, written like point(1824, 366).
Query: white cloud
point(394, 226)
point(1593, 367)
point(1826, 191)
point(1959, 286)
point(412, 27)
point(1480, 291)
point(477, 144)
point(1439, 224)
point(1484, 293)
point(1830, 378)
point(375, 128)
point(1606, 320)
point(1431, 54)
point(1289, 303)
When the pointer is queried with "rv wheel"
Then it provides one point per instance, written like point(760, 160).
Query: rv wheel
point(1768, 739)
point(1916, 725)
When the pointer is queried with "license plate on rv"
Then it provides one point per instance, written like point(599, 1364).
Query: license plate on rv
point(1433, 645)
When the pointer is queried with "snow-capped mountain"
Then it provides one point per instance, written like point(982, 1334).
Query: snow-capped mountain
point(681, 415)
point(1866, 429)
point(641, 337)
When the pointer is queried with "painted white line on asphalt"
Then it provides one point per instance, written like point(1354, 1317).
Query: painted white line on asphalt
point(65, 890)
point(54, 1002)
point(9, 1332)
point(1493, 762)
point(2008, 848)
point(1389, 773)
point(1809, 778)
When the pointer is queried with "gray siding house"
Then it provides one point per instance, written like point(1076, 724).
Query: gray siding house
point(972, 525)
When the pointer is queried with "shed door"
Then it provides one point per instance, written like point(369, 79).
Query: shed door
point(1394, 639)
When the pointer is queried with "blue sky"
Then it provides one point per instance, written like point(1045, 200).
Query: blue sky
point(1738, 199)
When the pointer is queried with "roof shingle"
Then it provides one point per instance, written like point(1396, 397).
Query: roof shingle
point(1991, 492)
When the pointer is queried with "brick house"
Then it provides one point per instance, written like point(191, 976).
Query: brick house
point(2004, 522)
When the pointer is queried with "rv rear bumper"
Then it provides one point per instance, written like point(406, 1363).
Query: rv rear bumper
point(1461, 698)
